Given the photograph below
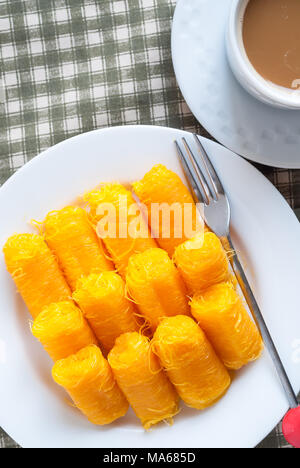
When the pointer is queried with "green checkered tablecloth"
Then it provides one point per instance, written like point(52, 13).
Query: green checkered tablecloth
point(70, 66)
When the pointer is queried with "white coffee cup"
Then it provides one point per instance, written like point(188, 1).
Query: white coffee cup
point(244, 71)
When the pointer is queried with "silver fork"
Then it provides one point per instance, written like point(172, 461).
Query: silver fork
point(207, 189)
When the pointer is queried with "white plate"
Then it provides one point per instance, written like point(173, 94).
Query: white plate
point(255, 130)
point(33, 409)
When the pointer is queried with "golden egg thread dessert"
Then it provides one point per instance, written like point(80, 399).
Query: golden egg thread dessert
point(202, 262)
point(102, 298)
point(142, 380)
point(95, 280)
point(128, 233)
point(35, 272)
point(162, 186)
point(192, 365)
point(88, 379)
point(75, 244)
point(62, 330)
point(222, 315)
point(156, 286)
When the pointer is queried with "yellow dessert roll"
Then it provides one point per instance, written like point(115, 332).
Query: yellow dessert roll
point(88, 379)
point(222, 315)
point(162, 186)
point(191, 364)
point(156, 286)
point(202, 262)
point(75, 244)
point(62, 330)
point(142, 380)
point(127, 232)
point(35, 272)
point(103, 300)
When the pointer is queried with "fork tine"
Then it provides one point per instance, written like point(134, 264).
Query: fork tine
point(201, 177)
point(212, 174)
point(198, 195)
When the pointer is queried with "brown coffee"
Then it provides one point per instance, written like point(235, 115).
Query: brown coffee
point(271, 34)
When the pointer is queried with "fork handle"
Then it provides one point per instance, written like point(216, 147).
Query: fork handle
point(257, 315)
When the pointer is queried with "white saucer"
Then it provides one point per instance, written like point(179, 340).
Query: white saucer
point(248, 127)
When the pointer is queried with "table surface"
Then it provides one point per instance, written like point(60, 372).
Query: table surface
point(71, 66)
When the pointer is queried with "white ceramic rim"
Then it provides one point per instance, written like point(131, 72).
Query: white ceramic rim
point(246, 73)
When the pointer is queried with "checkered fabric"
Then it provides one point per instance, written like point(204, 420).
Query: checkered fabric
point(70, 66)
